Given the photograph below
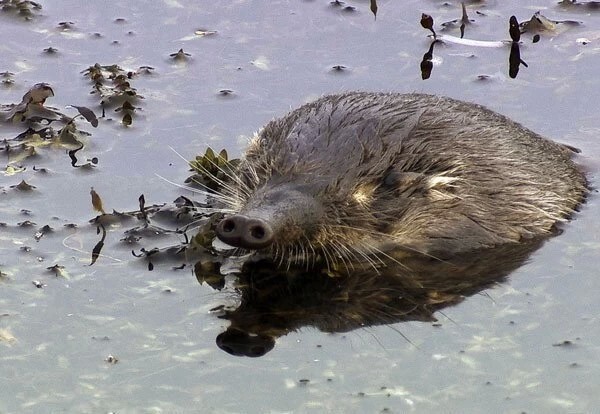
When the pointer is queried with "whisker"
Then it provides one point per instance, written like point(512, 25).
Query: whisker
point(229, 200)
point(222, 183)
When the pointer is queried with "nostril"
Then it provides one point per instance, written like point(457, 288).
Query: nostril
point(228, 225)
point(258, 232)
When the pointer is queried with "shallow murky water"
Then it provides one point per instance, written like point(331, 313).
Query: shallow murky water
point(116, 337)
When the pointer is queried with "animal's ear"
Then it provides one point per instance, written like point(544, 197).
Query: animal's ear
point(410, 183)
point(395, 178)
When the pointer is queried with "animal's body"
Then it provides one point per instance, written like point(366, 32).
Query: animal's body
point(360, 176)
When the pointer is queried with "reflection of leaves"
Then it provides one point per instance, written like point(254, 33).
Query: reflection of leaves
point(127, 119)
point(147, 254)
point(427, 62)
point(514, 60)
point(73, 157)
point(98, 247)
point(142, 201)
point(209, 273)
point(464, 21)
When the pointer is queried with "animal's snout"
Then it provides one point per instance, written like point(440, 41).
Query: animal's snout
point(245, 232)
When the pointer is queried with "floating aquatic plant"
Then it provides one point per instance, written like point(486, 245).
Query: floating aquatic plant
point(113, 85)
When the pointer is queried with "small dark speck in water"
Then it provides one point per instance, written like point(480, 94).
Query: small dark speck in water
point(180, 55)
point(111, 359)
point(565, 343)
point(226, 92)
point(339, 68)
point(101, 338)
point(66, 25)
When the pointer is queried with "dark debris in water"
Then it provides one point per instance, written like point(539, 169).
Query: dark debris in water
point(57, 270)
point(111, 359)
point(180, 56)
point(38, 284)
point(580, 5)
point(540, 24)
point(179, 214)
point(42, 232)
point(23, 186)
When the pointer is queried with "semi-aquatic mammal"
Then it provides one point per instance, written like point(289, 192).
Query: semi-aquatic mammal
point(359, 177)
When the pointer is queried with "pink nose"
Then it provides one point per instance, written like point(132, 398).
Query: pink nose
point(245, 232)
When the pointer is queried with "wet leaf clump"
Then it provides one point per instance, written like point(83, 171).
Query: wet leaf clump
point(25, 9)
point(212, 170)
point(42, 126)
point(112, 84)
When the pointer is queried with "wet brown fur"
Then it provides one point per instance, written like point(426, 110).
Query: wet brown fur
point(371, 174)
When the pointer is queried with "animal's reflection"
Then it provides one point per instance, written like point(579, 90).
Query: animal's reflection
point(274, 302)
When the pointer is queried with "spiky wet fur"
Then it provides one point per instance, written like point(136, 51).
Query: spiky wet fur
point(405, 173)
